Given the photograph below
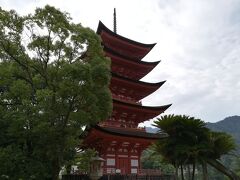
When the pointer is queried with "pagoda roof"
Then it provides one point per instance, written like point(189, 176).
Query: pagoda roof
point(127, 67)
point(101, 137)
point(115, 53)
point(128, 47)
point(134, 89)
point(130, 133)
point(135, 112)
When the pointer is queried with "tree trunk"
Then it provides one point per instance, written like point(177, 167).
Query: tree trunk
point(176, 172)
point(55, 169)
point(193, 170)
point(182, 172)
point(204, 170)
point(217, 165)
point(68, 169)
point(188, 172)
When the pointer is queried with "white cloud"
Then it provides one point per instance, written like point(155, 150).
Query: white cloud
point(198, 43)
point(204, 73)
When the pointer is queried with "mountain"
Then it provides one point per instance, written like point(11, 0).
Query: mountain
point(230, 125)
point(151, 129)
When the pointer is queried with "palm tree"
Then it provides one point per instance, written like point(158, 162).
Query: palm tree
point(190, 142)
point(220, 143)
point(184, 143)
point(237, 165)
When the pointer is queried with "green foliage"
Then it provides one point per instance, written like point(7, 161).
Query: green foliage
point(54, 80)
point(236, 165)
point(220, 143)
point(152, 160)
point(186, 139)
point(230, 125)
point(190, 142)
point(83, 160)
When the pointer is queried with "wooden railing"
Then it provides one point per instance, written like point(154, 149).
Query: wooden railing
point(125, 99)
point(121, 177)
point(139, 171)
point(115, 124)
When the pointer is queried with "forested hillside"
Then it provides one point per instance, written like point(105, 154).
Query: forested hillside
point(230, 125)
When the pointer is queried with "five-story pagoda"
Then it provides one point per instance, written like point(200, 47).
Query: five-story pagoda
point(118, 139)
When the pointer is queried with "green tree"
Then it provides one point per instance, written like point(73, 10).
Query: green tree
point(84, 159)
point(152, 160)
point(237, 165)
point(190, 142)
point(54, 81)
point(220, 144)
point(185, 141)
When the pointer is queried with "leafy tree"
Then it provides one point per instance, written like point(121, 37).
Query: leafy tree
point(54, 81)
point(152, 160)
point(237, 165)
point(220, 144)
point(190, 142)
point(185, 141)
point(83, 160)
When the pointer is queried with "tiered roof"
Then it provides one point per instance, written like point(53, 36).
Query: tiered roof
point(122, 88)
point(135, 69)
point(127, 91)
point(101, 138)
point(127, 68)
point(124, 46)
point(135, 112)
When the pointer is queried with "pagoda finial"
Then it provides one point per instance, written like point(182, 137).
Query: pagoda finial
point(114, 21)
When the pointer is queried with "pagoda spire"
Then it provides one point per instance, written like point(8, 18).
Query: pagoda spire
point(118, 139)
point(114, 21)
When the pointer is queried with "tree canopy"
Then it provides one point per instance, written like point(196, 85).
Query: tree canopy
point(54, 81)
point(189, 142)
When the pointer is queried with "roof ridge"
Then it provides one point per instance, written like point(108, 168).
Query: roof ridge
point(101, 27)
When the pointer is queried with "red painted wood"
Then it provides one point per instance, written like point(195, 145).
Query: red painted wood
point(127, 112)
point(123, 165)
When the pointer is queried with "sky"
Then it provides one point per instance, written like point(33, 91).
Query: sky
point(198, 43)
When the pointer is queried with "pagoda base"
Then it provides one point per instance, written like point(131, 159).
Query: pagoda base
point(121, 164)
point(121, 148)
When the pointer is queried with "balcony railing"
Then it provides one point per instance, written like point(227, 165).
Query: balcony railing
point(115, 124)
point(139, 171)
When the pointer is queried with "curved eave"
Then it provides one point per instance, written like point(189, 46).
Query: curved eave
point(138, 83)
point(138, 89)
point(133, 69)
point(126, 133)
point(140, 107)
point(102, 27)
point(129, 59)
point(151, 108)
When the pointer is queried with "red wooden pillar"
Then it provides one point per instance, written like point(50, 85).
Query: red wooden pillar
point(121, 129)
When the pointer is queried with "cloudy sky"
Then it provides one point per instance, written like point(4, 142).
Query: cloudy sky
point(198, 43)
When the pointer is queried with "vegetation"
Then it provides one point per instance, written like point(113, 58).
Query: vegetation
point(237, 165)
point(191, 143)
point(53, 81)
point(150, 159)
point(230, 125)
point(83, 160)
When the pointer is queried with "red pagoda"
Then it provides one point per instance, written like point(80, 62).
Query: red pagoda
point(118, 139)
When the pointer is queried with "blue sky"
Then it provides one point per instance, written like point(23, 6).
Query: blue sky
point(198, 43)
